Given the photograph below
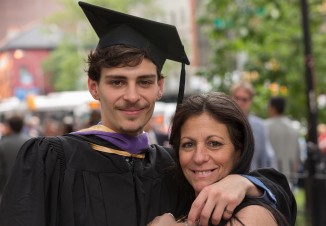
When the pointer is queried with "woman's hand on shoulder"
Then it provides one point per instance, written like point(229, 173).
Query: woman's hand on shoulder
point(219, 200)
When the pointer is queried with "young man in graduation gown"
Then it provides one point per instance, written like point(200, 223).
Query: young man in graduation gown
point(108, 174)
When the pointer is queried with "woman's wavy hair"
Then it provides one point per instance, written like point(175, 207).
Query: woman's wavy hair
point(225, 110)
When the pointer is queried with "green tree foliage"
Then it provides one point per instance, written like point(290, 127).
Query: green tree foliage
point(66, 63)
point(269, 34)
point(64, 66)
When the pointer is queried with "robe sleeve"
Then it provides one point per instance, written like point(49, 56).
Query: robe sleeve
point(278, 185)
point(31, 195)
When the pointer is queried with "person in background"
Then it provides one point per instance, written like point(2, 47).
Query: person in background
point(212, 138)
point(51, 127)
point(109, 174)
point(264, 156)
point(321, 129)
point(13, 138)
point(155, 135)
point(284, 138)
point(94, 118)
point(67, 125)
point(33, 127)
point(2, 129)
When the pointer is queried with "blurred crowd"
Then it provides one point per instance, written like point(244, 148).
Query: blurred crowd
point(279, 140)
point(16, 129)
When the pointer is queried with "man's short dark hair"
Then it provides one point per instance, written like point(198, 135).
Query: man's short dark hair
point(16, 123)
point(115, 56)
point(278, 103)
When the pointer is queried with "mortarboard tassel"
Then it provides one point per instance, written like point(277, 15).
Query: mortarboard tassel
point(182, 84)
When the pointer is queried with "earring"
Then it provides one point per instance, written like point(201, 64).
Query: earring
point(159, 96)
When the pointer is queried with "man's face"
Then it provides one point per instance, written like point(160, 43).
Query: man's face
point(127, 96)
point(243, 99)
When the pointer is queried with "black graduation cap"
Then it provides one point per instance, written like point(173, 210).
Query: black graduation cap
point(161, 40)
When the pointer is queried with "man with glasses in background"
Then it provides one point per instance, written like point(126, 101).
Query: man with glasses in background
point(264, 155)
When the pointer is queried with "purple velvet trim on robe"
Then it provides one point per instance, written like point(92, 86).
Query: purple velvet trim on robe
point(131, 144)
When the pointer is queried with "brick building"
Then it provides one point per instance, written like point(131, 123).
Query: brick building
point(23, 46)
point(21, 75)
point(21, 62)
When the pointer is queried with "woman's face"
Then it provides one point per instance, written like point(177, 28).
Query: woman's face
point(206, 152)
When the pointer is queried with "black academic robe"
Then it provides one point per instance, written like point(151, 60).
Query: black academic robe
point(83, 187)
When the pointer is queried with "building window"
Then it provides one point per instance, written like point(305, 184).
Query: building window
point(25, 77)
